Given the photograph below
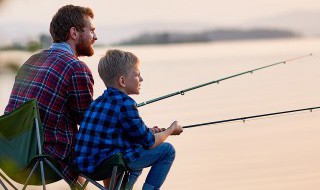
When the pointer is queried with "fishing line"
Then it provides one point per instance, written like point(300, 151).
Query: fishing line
point(244, 119)
point(182, 92)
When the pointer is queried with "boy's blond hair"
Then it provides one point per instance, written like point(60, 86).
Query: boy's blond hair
point(114, 64)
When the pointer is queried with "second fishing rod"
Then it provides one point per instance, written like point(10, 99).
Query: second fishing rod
point(182, 92)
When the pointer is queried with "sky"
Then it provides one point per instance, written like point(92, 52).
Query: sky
point(119, 16)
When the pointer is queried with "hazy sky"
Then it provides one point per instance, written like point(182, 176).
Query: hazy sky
point(126, 11)
point(113, 13)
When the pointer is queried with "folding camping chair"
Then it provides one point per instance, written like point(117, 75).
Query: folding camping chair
point(21, 140)
point(112, 167)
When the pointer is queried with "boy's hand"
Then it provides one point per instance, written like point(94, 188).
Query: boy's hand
point(156, 129)
point(176, 128)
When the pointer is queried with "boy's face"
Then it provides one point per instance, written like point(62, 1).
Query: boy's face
point(133, 80)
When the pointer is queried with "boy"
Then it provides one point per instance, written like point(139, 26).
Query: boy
point(112, 124)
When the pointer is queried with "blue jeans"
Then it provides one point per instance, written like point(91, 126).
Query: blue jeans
point(159, 158)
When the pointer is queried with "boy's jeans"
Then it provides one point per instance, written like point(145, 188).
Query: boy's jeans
point(159, 158)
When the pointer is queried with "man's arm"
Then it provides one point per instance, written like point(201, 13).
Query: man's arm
point(80, 93)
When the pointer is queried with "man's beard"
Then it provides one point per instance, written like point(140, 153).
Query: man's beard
point(84, 48)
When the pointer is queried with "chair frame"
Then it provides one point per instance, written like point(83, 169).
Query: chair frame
point(41, 159)
point(8, 181)
point(115, 184)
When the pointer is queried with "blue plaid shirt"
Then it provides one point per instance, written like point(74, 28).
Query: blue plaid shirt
point(111, 124)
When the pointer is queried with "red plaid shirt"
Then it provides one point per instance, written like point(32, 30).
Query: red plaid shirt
point(63, 86)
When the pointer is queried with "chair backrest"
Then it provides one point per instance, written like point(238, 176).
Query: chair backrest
point(19, 141)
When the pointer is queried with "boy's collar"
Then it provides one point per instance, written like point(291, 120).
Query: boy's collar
point(118, 92)
point(115, 89)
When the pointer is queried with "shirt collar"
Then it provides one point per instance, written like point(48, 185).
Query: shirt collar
point(62, 46)
point(116, 92)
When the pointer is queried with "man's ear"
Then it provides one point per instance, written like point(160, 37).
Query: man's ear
point(122, 81)
point(73, 33)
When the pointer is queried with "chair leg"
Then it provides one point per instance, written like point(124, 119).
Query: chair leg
point(43, 180)
point(84, 185)
point(113, 177)
point(3, 177)
point(2, 184)
point(31, 173)
point(101, 187)
point(119, 181)
point(54, 169)
point(115, 184)
point(42, 175)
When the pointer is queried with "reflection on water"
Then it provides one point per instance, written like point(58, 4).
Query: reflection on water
point(268, 154)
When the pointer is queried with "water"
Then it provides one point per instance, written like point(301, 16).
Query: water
point(277, 153)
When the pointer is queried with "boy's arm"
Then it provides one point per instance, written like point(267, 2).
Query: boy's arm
point(174, 129)
point(134, 126)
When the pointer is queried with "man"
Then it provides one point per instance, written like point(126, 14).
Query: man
point(62, 84)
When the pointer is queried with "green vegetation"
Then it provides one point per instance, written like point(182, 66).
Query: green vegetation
point(11, 67)
point(44, 41)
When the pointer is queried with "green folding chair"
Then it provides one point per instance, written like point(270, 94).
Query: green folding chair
point(110, 168)
point(21, 155)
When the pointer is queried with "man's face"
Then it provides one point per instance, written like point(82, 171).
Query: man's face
point(84, 47)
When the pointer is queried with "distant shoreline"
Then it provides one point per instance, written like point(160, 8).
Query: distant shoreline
point(208, 36)
point(169, 37)
point(11, 60)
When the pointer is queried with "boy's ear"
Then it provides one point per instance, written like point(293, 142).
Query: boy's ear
point(122, 81)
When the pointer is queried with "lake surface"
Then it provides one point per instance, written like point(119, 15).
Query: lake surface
point(275, 153)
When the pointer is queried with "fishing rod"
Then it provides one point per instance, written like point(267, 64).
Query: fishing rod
point(182, 92)
point(252, 117)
